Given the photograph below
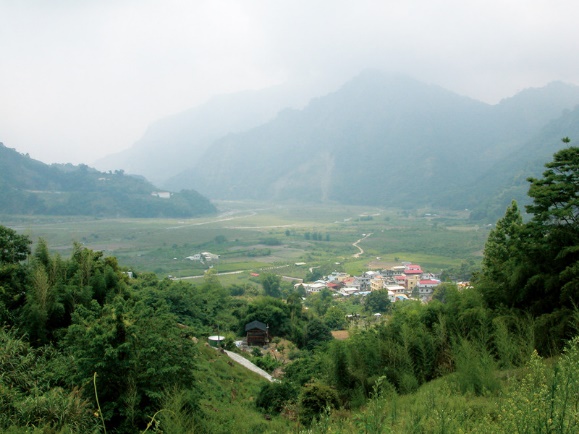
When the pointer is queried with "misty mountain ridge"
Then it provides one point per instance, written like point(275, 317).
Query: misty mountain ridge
point(28, 186)
point(381, 139)
point(175, 143)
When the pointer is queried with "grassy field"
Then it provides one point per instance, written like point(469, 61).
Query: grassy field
point(257, 237)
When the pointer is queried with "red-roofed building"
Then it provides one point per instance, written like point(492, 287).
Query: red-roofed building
point(429, 282)
point(413, 269)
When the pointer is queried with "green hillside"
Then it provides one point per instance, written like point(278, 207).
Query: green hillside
point(28, 186)
point(489, 195)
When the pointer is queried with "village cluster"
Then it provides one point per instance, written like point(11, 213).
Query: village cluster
point(401, 282)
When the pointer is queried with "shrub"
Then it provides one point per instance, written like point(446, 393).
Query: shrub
point(267, 363)
point(547, 399)
point(316, 398)
point(273, 396)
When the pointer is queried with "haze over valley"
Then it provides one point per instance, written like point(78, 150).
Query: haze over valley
point(273, 217)
point(381, 139)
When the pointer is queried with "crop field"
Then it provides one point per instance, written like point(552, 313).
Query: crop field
point(256, 237)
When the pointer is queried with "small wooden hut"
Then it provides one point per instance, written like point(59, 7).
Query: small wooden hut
point(257, 333)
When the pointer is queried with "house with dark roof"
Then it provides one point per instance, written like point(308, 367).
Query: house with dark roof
point(257, 333)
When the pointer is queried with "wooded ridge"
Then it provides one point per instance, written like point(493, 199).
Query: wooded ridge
point(28, 186)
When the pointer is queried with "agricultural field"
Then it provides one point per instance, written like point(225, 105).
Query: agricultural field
point(252, 237)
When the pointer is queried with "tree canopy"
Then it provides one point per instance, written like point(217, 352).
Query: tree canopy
point(13, 246)
point(534, 266)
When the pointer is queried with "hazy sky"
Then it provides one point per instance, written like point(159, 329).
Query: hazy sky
point(80, 79)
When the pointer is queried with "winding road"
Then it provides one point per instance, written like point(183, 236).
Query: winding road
point(361, 250)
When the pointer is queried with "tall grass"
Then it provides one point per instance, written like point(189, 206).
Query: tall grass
point(475, 368)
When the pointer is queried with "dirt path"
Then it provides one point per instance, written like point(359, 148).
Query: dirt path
point(247, 364)
point(221, 218)
point(361, 251)
point(202, 275)
point(231, 272)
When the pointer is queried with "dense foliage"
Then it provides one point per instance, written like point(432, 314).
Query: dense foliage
point(79, 329)
point(533, 267)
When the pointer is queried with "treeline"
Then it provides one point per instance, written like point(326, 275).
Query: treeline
point(316, 236)
point(453, 365)
point(104, 203)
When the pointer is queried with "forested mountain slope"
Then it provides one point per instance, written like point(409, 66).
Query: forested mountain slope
point(28, 186)
point(490, 194)
point(380, 139)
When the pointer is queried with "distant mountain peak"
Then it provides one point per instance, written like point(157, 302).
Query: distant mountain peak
point(554, 89)
point(381, 138)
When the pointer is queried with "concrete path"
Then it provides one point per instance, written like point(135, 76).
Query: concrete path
point(246, 363)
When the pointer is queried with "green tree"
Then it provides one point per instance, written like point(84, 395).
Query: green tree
point(41, 304)
point(205, 307)
point(31, 391)
point(271, 311)
point(556, 195)
point(14, 248)
point(320, 302)
point(137, 352)
point(341, 374)
point(294, 302)
point(271, 284)
point(316, 334)
point(445, 292)
point(335, 318)
point(555, 228)
point(502, 256)
point(274, 396)
point(377, 301)
point(220, 239)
